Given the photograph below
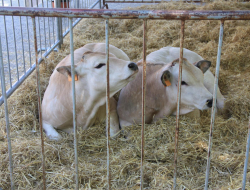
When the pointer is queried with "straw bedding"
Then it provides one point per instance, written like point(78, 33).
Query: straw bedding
point(229, 137)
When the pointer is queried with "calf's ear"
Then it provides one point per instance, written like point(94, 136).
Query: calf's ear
point(166, 78)
point(203, 65)
point(66, 71)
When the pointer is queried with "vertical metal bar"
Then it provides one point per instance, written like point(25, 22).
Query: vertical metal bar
point(74, 102)
point(39, 102)
point(14, 35)
point(66, 19)
point(40, 38)
point(44, 29)
point(214, 103)
point(63, 19)
point(49, 25)
point(6, 115)
point(107, 103)
point(178, 102)
point(246, 160)
point(77, 4)
point(59, 25)
point(7, 47)
point(100, 4)
point(21, 27)
point(28, 32)
point(53, 26)
point(53, 23)
point(143, 96)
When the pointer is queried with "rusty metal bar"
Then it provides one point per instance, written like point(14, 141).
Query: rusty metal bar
point(246, 160)
point(39, 34)
point(149, 1)
point(74, 102)
point(127, 14)
point(39, 103)
point(214, 103)
point(178, 103)
point(108, 104)
point(6, 116)
point(143, 96)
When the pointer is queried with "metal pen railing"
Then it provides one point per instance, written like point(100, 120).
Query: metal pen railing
point(143, 96)
point(74, 101)
point(178, 103)
point(125, 14)
point(39, 103)
point(214, 103)
point(50, 32)
point(107, 103)
point(6, 116)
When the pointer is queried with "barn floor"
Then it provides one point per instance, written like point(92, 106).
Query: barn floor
point(230, 131)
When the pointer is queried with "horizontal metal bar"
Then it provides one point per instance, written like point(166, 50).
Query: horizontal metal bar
point(29, 71)
point(127, 14)
point(196, 1)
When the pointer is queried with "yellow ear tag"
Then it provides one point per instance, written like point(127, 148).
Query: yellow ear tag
point(70, 79)
point(167, 82)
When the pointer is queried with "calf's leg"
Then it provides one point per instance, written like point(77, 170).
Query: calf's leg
point(51, 133)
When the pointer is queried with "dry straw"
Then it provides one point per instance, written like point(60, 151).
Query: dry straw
point(229, 139)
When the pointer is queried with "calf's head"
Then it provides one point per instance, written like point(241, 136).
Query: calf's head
point(91, 72)
point(194, 94)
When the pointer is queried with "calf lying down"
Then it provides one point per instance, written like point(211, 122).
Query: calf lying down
point(161, 92)
point(169, 54)
point(90, 88)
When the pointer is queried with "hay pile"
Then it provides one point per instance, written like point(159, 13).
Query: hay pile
point(229, 138)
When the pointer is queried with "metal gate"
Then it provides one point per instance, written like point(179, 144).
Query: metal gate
point(17, 37)
point(123, 14)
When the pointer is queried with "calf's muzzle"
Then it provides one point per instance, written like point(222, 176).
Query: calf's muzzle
point(133, 66)
point(210, 103)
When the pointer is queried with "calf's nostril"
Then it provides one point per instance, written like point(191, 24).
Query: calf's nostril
point(133, 66)
point(210, 103)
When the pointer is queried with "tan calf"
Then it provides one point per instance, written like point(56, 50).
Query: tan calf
point(90, 88)
point(161, 92)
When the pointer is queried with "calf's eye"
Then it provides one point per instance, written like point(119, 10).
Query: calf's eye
point(183, 83)
point(100, 65)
